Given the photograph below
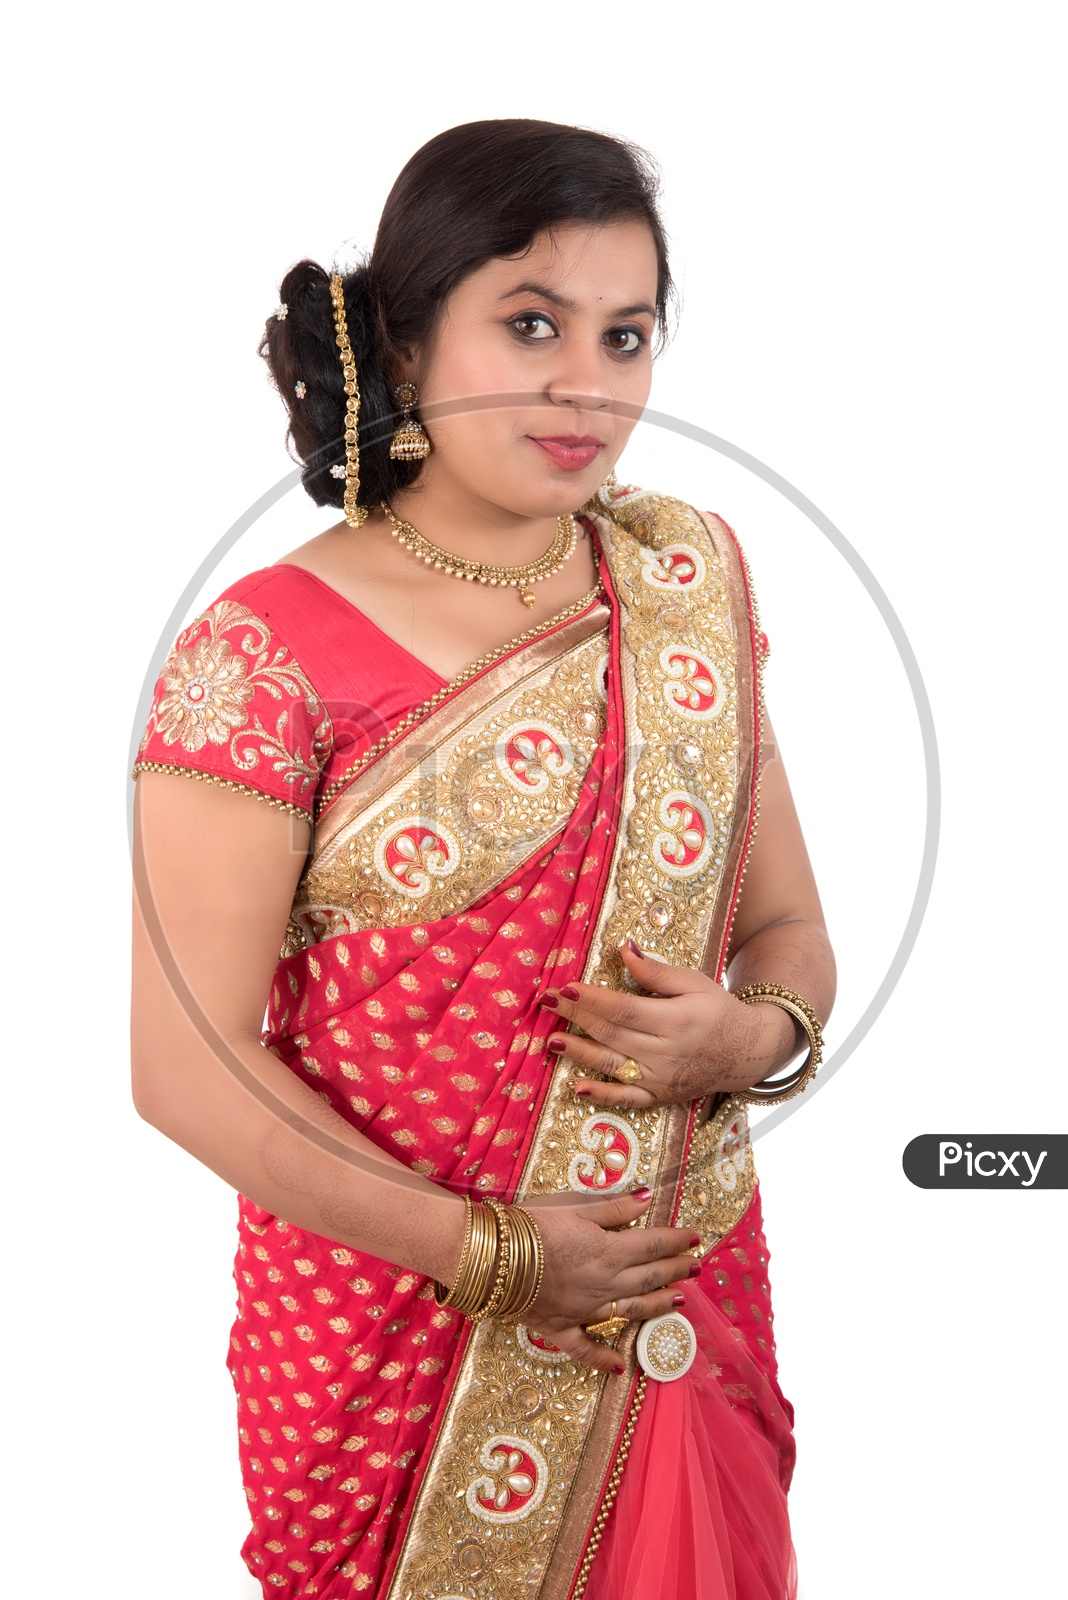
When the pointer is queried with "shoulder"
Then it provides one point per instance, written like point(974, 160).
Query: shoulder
point(234, 702)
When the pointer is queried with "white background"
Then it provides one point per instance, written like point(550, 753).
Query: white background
point(864, 210)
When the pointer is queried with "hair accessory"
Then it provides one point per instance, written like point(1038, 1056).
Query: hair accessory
point(354, 514)
point(281, 312)
point(409, 443)
point(519, 578)
point(300, 388)
point(338, 470)
point(770, 1091)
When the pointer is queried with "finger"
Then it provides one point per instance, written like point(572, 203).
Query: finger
point(577, 1343)
point(621, 1096)
point(655, 1277)
point(628, 1022)
point(639, 1247)
point(657, 976)
point(619, 1210)
point(639, 1308)
point(594, 1058)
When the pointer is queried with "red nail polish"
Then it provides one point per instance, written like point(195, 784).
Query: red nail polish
point(549, 1000)
point(620, 1370)
point(643, 1194)
point(695, 1241)
point(678, 1300)
point(569, 992)
point(695, 1270)
point(556, 1046)
point(581, 1092)
point(634, 950)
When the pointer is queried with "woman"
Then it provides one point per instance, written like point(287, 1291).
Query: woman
point(507, 824)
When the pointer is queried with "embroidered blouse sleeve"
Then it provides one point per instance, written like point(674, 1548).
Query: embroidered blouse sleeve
point(232, 705)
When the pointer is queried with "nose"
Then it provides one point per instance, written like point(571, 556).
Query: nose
point(580, 380)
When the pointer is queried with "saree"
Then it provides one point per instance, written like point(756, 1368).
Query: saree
point(594, 781)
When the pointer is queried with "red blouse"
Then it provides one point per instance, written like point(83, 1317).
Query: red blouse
point(277, 688)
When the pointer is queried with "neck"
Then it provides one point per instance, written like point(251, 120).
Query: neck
point(469, 526)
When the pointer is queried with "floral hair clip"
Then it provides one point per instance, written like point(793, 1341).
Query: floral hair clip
point(281, 312)
point(338, 469)
point(300, 388)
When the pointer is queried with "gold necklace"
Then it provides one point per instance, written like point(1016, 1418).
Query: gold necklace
point(519, 578)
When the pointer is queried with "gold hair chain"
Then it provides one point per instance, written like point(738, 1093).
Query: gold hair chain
point(520, 578)
point(354, 514)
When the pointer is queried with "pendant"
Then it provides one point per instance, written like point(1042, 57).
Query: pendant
point(526, 597)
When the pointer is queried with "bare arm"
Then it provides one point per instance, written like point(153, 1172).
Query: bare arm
point(214, 876)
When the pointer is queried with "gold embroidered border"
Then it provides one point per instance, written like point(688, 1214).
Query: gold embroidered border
point(416, 838)
point(558, 1423)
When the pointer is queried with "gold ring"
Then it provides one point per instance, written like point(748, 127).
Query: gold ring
point(610, 1328)
point(629, 1072)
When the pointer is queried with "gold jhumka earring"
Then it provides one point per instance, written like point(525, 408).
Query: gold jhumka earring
point(354, 514)
point(410, 442)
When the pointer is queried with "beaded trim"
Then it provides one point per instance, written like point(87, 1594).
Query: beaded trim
point(225, 783)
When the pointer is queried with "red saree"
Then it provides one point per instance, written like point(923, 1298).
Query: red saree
point(594, 781)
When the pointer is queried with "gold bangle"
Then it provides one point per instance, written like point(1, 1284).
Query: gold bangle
point(772, 1091)
point(504, 1260)
point(539, 1262)
point(442, 1295)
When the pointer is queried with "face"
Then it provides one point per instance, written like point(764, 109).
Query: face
point(561, 337)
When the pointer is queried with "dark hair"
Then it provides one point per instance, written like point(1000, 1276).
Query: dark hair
point(473, 193)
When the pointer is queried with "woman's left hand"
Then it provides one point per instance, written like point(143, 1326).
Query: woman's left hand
point(688, 1035)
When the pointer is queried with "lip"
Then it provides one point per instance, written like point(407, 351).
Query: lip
point(572, 451)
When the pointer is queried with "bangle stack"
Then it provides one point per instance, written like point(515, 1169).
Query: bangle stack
point(501, 1263)
point(770, 1091)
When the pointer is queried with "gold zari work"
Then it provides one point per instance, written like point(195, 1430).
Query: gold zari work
point(525, 1465)
point(463, 815)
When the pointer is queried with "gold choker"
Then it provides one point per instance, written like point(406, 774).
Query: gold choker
point(520, 578)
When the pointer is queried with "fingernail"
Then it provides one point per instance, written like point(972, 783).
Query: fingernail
point(643, 1194)
point(678, 1300)
point(581, 1092)
point(549, 1000)
point(695, 1241)
point(695, 1270)
point(556, 1046)
point(620, 1371)
point(634, 950)
point(569, 992)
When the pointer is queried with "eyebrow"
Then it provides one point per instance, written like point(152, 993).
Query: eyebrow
point(570, 305)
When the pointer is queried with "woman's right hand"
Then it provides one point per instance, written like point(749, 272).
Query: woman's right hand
point(587, 1266)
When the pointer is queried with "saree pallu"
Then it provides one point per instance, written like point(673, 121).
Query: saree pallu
point(595, 781)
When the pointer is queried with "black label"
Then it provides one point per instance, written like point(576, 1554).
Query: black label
point(987, 1161)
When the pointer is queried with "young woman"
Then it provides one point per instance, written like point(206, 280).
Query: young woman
point(503, 1325)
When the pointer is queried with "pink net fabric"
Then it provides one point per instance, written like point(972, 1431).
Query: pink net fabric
point(701, 1511)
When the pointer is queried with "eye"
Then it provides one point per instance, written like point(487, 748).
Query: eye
point(625, 341)
point(531, 325)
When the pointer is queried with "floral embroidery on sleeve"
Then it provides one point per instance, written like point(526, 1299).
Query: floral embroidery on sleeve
point(234, 697)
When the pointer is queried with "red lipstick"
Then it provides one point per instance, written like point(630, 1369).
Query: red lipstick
point(572, 451)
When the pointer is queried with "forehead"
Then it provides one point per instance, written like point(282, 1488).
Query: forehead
point(613, 261)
